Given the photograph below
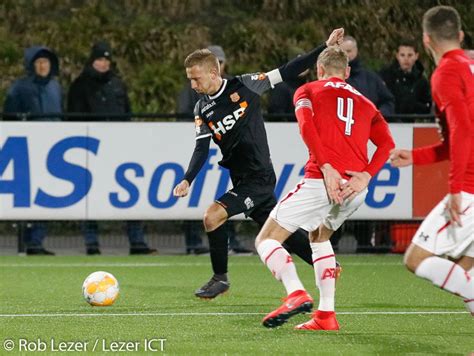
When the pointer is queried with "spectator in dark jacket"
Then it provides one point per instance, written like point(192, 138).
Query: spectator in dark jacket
point(192, 229)
point(98, 89)
point(366, 81)
point(36, 93)
point(406, 80)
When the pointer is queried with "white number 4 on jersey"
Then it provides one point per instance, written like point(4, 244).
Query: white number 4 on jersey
point(347, 117)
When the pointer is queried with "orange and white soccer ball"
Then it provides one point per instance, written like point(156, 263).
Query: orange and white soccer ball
point(100, 289)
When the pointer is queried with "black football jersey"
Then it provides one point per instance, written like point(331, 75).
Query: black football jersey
point(233, 118)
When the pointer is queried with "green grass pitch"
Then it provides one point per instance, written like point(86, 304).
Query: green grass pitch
point(382, 309)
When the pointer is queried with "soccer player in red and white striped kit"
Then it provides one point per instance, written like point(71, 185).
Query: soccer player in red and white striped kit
point(448, 230)
point(336, 122)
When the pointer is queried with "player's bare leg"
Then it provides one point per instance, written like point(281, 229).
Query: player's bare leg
point(324, 262)
point(214, 219)
point(278, 260)
point(446, 274)
point(466, 262)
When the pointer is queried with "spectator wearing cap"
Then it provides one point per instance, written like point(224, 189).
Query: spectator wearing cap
point(192, 229)
point(38, 93)
point(100, 90)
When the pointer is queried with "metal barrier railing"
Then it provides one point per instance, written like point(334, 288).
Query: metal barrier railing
point(355, 236)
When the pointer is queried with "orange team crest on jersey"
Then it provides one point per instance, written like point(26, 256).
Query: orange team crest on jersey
point(235, 97)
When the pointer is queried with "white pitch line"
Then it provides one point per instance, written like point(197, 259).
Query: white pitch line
point(160, 264)
point(224, 314)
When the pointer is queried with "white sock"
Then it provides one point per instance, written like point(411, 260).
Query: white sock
point(324, 263)
point(449, 276)
point(280, 263)
point(470, 302)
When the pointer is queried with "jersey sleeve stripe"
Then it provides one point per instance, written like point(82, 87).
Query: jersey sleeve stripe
point(203, 136)
point(303, 103)
point(275, 77)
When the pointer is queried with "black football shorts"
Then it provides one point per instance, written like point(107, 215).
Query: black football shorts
point(252, 195)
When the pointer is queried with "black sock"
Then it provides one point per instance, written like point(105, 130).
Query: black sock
point(219, 248)
point(298, 243)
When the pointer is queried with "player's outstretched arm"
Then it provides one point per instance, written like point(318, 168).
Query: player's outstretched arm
point(336, 37)
point(182, 189)
point(296, 66)
point(401, 158)
point(199, 157)
point(261, 82)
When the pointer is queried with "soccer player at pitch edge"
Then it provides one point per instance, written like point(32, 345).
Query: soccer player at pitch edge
point(448, 230)
point(230, 114)
point(336, 122)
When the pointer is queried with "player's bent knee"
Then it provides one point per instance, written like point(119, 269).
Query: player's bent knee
point(466, 262)
point(214, 217)
point(211, 222)
point(263, 235)
point(410, 263)
point(414, 256)
point(271, 230)
point(321, 234)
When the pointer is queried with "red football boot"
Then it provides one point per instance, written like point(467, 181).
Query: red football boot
point(322, 320)
point(297, 302)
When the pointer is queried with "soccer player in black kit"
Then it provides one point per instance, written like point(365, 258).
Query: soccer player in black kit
point(230, 114)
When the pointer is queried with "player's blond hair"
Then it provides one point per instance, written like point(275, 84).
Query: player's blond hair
point(202, 57)
point(442, 23)
point(334, 60)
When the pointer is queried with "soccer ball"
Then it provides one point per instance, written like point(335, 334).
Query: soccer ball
point(100, 289)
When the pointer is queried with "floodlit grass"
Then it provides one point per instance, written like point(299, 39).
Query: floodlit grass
point(157, 302)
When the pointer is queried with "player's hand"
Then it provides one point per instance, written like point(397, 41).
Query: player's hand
point(358, 182)
point(332, 181)
point(454, 208)
point(401, 158)
point(182, 189)
point(336, 37)
point(441, 128)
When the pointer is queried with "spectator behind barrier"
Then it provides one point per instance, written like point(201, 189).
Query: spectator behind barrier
point(366, 81)
point(281, 97)
point(405, 79)
point(98, 89)
point(36, 93)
